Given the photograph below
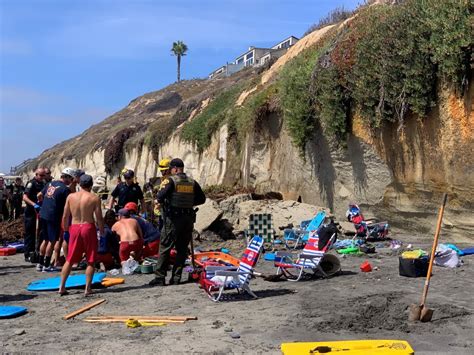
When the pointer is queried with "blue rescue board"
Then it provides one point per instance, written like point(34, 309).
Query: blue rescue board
point(11, 311)
point(72, 281)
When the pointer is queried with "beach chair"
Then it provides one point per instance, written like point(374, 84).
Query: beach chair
point(311, 262)
point(215, 279)
point(261, 224)
point(296, 237)
point(367, 229)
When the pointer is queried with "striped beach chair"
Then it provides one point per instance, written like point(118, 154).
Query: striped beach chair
point(299, 237)
point(311, 261)
point(215, 279)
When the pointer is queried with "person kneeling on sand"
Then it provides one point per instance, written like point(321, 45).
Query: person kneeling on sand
point(151, 234)
point(82, 233)
point(108, 250)
point(130, 234)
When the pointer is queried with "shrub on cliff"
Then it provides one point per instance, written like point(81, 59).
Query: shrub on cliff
point(201, 128)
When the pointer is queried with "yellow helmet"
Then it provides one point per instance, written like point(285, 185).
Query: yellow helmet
point(164, 164)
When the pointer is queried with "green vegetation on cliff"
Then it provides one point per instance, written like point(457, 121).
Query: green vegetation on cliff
point(201, 128)
point(386, 63)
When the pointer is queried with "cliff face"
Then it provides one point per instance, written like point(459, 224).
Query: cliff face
point(398, 173)
point(398, 176)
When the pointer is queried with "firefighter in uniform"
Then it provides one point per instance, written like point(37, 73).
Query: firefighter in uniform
point(33, 187)
point(177, 196)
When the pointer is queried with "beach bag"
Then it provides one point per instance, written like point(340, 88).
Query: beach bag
point(413, 267)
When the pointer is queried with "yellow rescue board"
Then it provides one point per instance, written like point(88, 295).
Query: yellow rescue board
point(111, 281)
point(349, 347)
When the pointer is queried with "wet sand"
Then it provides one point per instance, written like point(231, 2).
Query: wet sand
point(354, 305)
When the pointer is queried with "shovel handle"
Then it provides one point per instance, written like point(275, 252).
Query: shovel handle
point(433, 250)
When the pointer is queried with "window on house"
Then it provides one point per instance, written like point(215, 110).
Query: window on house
point(250, 55)
point(240, 60)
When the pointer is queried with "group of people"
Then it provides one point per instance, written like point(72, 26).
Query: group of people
point(11, 197)
point(66, 215)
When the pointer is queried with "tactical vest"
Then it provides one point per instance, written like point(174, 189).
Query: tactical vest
point(183, 194)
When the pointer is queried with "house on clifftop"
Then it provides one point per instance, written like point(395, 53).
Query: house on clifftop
point(254, 57)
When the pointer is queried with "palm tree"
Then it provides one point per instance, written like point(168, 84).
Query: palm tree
point(179, 49)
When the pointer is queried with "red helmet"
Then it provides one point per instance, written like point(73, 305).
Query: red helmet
point(131, 206)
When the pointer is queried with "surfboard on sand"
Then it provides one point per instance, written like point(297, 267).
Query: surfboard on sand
point(12, 311)
point(349, 347)
point(52, 284)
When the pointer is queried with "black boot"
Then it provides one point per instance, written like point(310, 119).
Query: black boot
point(157, 281)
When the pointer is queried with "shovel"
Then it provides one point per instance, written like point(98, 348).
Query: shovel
point(34, 258)
point(421, 312)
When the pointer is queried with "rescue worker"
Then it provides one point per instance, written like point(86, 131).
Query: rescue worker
point(165, 171)
point(16, 194)
point(4, 197)
point(178, 195)
point(54, 196)
point(33, 187)
point(151, 235)
point(128, 191)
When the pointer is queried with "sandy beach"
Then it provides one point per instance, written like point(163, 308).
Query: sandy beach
point(353, 305)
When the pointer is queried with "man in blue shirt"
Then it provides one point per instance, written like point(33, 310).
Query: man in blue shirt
point(54, 196)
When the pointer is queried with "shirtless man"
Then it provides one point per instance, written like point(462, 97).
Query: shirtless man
point(130, 234)
point(81, 231)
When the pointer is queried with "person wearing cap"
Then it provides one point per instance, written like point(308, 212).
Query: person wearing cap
point(61, 243)
point(178, 195)
point(30, 197)
point(81, 230)
point(130, 235)
point(151, 234)
point(54, 196)
point(165, 170)
point(128, 191)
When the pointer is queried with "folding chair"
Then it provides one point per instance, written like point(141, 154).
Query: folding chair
point(215, 279)
point(367, 229)
point(261, 224)
point(299, 236)
point(310, 262)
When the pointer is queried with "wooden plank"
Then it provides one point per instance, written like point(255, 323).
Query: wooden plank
point(138, 319)
point(83, 309)
point(183, 318)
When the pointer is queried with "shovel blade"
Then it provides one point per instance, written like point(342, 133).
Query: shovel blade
point(415, 312)
point(426, 314)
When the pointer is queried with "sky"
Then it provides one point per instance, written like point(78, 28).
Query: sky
point(68, 64)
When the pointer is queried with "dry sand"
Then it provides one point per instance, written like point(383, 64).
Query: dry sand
point(353, 305)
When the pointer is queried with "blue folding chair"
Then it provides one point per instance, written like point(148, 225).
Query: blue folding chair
point(299, 236)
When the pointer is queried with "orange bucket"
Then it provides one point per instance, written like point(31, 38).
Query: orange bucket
point(365, 267)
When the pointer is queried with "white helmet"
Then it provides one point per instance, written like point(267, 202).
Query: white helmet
point(69, 171)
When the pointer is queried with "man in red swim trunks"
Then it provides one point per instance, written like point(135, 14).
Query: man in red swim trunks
point(81, 231)
point(130, 234)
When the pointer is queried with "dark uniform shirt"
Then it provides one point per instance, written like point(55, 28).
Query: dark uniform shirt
point(32, 189)
point(16, 192)
point(167, 188)
point(127, 193)
point(55, 194)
